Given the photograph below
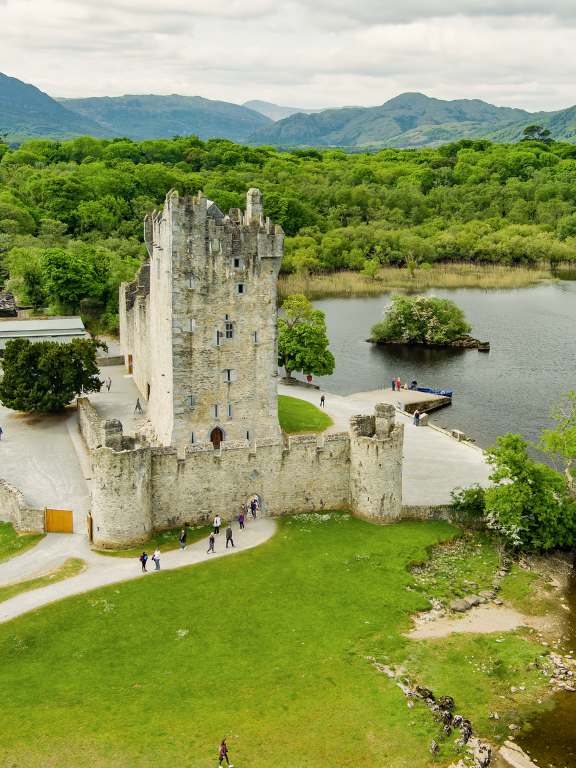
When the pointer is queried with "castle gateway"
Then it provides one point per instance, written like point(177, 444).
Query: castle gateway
point(198, 330)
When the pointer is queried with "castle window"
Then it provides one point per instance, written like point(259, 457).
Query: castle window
point(255, 337)
point(226, 317)
point(229, 410)
point(238, 264)
point(229, 375)
point(229, 330)
point(240, 288)
point(192, 440)
point(215, 411)
point(192, 324)
point(247, 434)
point(191, 401)
point(191, 281)
point(218, 338)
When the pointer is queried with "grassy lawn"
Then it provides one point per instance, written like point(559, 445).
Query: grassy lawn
point(298, 416)
point(71, 567)
point(268, 647)
point(12, 543)
point(164, 541)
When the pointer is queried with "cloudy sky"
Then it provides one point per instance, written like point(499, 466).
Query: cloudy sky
point(308, 53)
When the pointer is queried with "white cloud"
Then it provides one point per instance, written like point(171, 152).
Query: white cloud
point(302, 52)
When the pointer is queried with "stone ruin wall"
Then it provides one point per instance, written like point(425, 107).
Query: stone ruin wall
point(13, 509)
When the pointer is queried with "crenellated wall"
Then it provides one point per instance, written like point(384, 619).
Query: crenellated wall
point(139, 490)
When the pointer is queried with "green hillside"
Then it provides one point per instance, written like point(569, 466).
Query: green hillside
point(147, 117)
point(409, 120)
point(27, 112)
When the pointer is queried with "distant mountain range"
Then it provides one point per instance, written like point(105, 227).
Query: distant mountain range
point(408, 120)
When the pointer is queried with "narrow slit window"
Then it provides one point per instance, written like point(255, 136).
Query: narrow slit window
point(215, 411)
point(191, 401)
point(191, 281)
point(218, 338)
point(247, 434)
point(192, 440)
point(191, 324)
point(240, 288)
point(255, 337)
point(229, 410)
point(229, 375)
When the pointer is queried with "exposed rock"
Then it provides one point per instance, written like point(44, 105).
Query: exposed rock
point(472, 600)
point(460, 606)
point(446, 702)
point(515, 757)
point(424, 693)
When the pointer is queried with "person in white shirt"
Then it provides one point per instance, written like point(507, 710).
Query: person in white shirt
point(217, 523)
point(156, 558)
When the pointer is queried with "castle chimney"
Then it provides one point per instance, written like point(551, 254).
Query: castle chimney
point(254, 209)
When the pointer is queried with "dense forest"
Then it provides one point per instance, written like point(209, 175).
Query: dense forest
point(71, 212)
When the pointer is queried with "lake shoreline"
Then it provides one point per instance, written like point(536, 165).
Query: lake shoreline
point(447, 276)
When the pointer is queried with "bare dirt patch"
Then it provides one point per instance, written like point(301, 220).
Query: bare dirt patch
point(481, 620)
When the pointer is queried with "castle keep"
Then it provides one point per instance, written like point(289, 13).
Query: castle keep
point(198, 333)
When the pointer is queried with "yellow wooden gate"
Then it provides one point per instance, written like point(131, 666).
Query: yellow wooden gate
point(59, 520)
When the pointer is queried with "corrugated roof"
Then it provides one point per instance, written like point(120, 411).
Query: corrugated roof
point(52, 325)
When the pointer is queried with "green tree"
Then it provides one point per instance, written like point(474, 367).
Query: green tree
point(536, 133)
point(528, 504)
point(47, 376)
point(71, 275)
point(560, 442)
point(421, 320)
point(302, 338)
point(371, 269)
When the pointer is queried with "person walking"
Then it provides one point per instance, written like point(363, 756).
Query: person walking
point(211, 542)
point(182, 538)
point(143, 560)
point(156, 559)
point(241, 519)
point(416, 418)
point(108, 383)
point(1, 433)
point(217, 524)
point(398, 384)
point(323, 401)
point(253, 508)
point(223, 752)
point(138, 407)
point(393, 385)
point(229, 539)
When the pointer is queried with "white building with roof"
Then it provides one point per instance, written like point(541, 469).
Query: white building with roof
point(61, 329)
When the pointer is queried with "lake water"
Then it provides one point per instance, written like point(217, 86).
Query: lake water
point(532, 361)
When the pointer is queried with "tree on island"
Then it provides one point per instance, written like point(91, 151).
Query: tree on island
point(421, 320)
point(46, 376)
point(302, 338)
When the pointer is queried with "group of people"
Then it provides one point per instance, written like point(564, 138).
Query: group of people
point(397, 384)
point(248, 508)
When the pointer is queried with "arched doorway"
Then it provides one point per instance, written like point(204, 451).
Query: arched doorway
point(216, 437)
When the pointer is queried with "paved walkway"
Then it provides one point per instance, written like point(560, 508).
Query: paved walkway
point(434, 463)
point(103, 570)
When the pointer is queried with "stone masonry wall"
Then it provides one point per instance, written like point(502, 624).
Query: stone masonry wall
point(307, 474)
point(376, 465)
point(13, 509)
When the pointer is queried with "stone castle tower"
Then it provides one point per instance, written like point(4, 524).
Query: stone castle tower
point(198, 327)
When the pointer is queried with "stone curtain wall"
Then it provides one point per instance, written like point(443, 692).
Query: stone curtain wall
point(308, 474)
point(13, 509)
point(139, 490)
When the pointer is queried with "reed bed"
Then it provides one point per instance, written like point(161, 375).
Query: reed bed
point(317, 286)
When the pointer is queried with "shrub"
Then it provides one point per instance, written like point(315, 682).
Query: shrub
point(421, 320)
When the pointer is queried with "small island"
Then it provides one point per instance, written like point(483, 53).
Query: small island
point(425, 321)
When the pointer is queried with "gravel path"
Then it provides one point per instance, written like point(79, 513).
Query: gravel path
point(102, 569)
